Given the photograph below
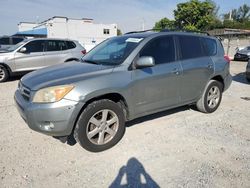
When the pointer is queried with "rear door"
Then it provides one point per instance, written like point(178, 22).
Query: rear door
point(32, 58)
point(197, 67)
point(157, 87)
point(56, 52)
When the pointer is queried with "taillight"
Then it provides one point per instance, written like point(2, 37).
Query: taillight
point(84, 52)
point(227, 58)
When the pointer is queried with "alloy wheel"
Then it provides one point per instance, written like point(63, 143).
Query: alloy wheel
point(102, 127)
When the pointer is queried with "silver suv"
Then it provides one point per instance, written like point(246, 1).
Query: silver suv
point(34, 54)
point(121, 79)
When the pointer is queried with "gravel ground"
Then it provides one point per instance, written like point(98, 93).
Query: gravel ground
point(176, 148)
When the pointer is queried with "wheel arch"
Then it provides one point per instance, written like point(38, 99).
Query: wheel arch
point(220, 79)
point(71, 59)
point(7, 67)
point(113, 96)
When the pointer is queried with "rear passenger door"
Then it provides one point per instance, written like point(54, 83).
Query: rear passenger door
point(157, 87)
point(197, 67)
point(56, 52)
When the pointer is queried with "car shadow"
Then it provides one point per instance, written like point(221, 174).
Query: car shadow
point(133, 175)
point(159, 115)
point(241, 77)
point(14, 78)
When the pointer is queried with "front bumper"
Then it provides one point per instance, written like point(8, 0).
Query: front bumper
point(54, 119)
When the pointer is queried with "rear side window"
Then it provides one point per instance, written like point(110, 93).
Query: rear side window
point(16, 40)
point(70, 44)
point(161, 49)
point(210, 47)
point(62, 45)
point(5, 41)
point(35, 46)
point(190, 47)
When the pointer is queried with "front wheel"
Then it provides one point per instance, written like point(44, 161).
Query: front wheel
point(4, 75)
point(211, 98)
point(100, 126)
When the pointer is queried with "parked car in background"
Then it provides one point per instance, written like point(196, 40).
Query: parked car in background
point(248, 71)
point(8, 41)
point(121, 79)
point(243, 54)
point(34, 54)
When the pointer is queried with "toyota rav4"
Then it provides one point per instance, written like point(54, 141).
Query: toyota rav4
point(121, 79)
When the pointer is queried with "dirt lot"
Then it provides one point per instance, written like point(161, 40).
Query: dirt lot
point(177, 148)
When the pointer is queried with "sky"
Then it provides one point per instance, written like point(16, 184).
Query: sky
point(128, 14)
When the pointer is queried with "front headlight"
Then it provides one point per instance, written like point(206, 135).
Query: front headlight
point(52, 94)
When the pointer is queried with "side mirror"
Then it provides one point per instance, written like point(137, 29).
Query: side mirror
point(23, 50)
point(146, 61)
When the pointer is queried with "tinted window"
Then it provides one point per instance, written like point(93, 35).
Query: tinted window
point(5, 41)
point(161, 49)
point(16, 40)
point(56, 45)
point(70, 44)
point(190, 47)
point(209, 46)
point(35, 46)
point(62, 45)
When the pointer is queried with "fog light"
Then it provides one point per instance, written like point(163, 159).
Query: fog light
point(47, 126)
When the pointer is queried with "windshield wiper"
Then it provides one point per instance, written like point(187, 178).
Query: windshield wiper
point(89, 61)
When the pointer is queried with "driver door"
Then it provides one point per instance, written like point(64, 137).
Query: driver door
point(157, 87)
point(32, 58)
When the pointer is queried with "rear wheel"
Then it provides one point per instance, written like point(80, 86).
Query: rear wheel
point(100, 126)
point(211, 98)
point(4, 75)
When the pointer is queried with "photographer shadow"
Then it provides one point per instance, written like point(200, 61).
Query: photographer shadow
point(133, 175)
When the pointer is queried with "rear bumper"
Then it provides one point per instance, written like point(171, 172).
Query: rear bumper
point(55, 119)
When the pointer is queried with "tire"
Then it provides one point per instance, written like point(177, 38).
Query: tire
point(247, 78)
point(89, 130)
point(213, 89)
point(4, 75)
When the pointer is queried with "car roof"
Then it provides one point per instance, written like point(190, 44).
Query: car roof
point(34, 39)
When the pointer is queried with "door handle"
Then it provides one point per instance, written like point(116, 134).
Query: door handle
point(210, 66)
point(175, 71)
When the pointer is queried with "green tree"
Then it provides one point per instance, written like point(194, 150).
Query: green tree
point(195, 15)
point(164, 23)
point(240, 15)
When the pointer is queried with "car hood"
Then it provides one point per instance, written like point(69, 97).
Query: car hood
point(66, 73)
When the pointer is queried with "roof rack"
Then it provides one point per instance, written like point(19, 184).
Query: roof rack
point(141, 31)
point(169, 30)
point(188, 31)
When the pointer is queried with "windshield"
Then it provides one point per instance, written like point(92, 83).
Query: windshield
point(13, 48)
point(112, 51)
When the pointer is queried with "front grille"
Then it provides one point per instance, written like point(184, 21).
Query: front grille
point(25, 91)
